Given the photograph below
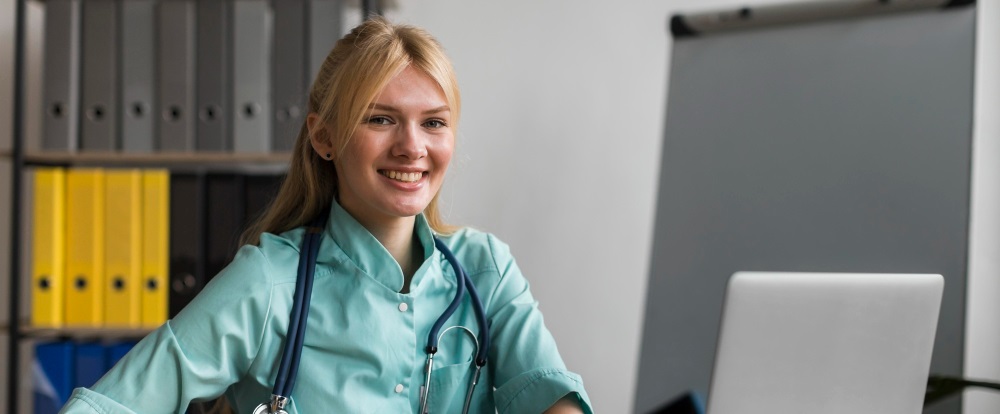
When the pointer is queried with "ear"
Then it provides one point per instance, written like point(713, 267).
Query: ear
point(319, 136)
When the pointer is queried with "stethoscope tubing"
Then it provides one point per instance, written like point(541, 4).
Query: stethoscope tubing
point(298, 317)
point(464, 283)
point(300, 338)
point(289, 366)
point(460, 282)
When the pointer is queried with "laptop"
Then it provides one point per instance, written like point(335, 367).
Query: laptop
point(821, 343)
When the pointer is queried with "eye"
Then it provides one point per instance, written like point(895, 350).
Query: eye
point(435, 124)
point(379, 120)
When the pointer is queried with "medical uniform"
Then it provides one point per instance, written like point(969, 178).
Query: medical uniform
point(364, 345)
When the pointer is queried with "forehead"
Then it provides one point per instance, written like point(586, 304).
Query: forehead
point(411, 88)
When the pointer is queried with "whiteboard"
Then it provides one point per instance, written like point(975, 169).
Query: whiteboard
point(839, 145)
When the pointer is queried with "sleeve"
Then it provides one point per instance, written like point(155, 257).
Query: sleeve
point(529, 374)
point(207, 347)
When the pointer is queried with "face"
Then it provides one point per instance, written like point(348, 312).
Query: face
point(396, 160)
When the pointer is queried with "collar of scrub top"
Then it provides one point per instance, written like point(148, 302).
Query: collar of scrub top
point(291, 354)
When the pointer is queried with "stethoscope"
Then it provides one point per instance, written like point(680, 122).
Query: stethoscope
point(289, 366)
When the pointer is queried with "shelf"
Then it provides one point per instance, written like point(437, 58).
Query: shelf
point(156, 158)
point(246, 162)
point(84, 333)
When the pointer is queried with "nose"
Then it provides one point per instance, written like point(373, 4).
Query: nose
point(410, 142)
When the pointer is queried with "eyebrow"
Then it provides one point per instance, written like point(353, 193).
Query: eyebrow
point(389, 108)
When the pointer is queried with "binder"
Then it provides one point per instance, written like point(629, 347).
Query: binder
point(116, 352)
point(324, 31)
point(85, 247)
point(260, 191)
point(187, 238)
point(289, 83)
point(61, 75)
point(52, 379)
point(122, 248)
point(89, 365)
point(99, 75)
point(138, 71)
point(212, 63)
point(155, 246)
point(48, 247)
point(225, 212)
point(251, 76)
point(175, 75)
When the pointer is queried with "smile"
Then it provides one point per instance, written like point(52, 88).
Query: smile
point(402, 176)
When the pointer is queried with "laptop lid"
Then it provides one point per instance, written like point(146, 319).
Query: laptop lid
point(825, 343)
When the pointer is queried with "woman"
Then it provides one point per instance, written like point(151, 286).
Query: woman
point(371, 158)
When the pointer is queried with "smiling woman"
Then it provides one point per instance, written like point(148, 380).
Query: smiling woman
point(393, 165)
point(357, 215)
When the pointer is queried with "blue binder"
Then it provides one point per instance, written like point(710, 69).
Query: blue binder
point(91, 362)
point(116, 352)
point(52, 377)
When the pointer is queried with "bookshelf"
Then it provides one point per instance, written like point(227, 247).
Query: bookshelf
point(154, 159)
point(247, 160)
point(81, 334)
point(17, 165)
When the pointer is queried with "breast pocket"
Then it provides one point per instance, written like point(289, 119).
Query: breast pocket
point(450, 385)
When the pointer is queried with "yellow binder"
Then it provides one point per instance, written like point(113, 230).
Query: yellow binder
point(85, 247)
point(122, 247)
point(48, 247)
point(155, 246)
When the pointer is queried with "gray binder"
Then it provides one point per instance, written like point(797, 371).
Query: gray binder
point(99, 75)
point(251, 76)
point(289, 86)
point(62, 75)
point(212, 63)
point(175, 75)
point(138, 18)
point(325, 28)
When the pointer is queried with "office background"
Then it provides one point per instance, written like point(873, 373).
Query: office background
point(559, 152)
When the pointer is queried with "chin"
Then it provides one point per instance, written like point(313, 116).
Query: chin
point(408, 210)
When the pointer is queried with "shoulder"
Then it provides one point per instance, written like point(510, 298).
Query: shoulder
point(256, 269)
point(477, 250)
point(281, 251)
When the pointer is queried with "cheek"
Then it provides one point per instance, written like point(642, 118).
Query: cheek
point(442, 154)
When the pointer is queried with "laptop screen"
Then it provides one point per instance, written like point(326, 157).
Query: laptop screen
point(825, 343)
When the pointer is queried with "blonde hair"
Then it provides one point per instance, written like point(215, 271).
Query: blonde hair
point(351, 77)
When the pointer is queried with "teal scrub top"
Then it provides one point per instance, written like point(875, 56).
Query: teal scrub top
point(364, 344)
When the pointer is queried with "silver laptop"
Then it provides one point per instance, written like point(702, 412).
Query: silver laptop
point(817, 343)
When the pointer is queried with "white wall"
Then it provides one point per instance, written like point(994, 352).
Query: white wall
point(982, 345)
point(558, 154)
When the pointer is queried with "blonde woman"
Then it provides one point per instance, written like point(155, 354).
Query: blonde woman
point(370, 159)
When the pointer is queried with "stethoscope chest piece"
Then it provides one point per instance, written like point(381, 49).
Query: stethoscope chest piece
point(263, 409)
point(276, 405)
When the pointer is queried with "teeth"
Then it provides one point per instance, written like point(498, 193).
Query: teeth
point(402, 176)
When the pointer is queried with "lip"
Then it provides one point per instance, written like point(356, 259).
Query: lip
point(404, 169)
point(404, 186)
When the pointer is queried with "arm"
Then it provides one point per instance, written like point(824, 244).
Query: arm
point(196, 355)
point(529, 374)
point(567, 405)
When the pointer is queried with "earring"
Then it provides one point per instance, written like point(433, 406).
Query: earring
point(329, 155)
